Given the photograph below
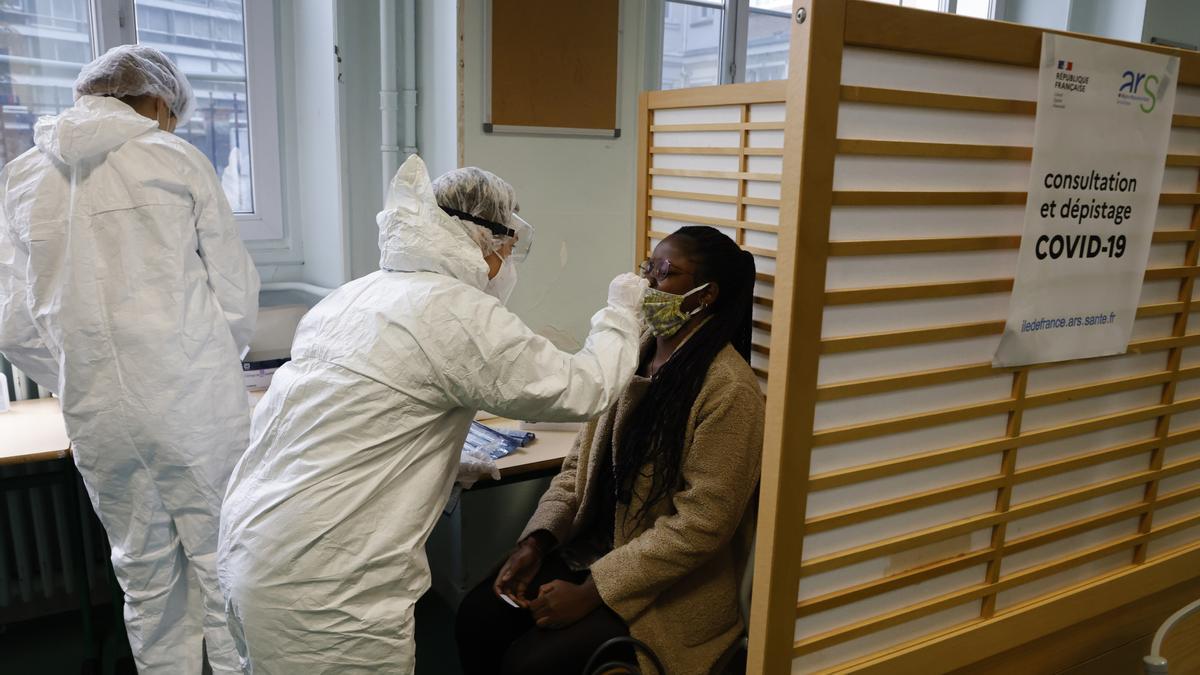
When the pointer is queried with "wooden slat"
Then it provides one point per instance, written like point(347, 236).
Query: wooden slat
point(815, 50)
point(887, 383)
point(866, 247)
point(872, 147)
point(761, 201)
point(951, 289)
point(910, 540)
point(899, 292)
point(722, 151)
point(693, 150)
point(759, 251)
point(694, 196)
point(716, 222)
point(963, 198)
point(922, 245)
point(642, 221)
point(894, 425)
point(921, 149)
point(923, 99)
point(916, 336)
point(773, 91)
point(888, 507)
point(941, 456)
point(718, 126)
point(1029, 541)
point(889, 583)
point(972, 371)
point(985, 104)
point(927, 607)
point(893, 28)
point(900, 338)
point(925, 198)
point(703, 173)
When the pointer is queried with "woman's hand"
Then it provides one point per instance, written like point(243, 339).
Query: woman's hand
point(520, 568)
point(560, 603)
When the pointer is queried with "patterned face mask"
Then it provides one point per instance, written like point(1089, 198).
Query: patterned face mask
point(664, 311)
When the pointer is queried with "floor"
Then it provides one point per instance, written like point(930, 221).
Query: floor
point(54, 645)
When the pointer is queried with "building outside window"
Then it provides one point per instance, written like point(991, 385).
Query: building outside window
point(44, 43)
point(709, 42)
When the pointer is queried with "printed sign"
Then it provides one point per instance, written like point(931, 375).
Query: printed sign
point(1100, 145)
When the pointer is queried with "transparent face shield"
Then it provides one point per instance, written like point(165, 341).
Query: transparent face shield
point(522, 238)
point(517, 236)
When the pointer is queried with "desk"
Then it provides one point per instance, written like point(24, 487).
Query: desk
point(32, 432)
point(544, 456)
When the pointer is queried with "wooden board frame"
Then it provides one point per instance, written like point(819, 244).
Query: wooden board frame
point(814, 93)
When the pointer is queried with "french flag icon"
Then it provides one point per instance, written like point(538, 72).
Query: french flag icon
point(1065, 65)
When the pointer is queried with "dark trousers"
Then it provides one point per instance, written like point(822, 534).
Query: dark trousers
point(494, 637)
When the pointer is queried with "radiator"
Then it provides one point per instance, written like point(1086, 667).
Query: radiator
point(38, 562)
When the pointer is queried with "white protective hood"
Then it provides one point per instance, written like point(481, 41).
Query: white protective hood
point(93, 126)
point(416, 235)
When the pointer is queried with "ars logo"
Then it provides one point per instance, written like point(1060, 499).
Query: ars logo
point(1140, 87)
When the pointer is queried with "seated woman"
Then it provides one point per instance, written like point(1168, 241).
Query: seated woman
point(646, 530)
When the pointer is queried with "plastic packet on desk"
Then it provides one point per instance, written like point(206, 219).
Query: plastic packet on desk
point(495, 443)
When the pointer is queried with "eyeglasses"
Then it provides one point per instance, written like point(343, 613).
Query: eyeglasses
point(659, 269)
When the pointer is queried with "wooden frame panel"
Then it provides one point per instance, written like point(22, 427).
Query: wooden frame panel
point(1077, 467)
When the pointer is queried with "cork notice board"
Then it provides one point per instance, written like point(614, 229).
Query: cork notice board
point(553, 66)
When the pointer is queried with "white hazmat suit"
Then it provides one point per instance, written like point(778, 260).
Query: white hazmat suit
point(125, 289)
point(355, 447)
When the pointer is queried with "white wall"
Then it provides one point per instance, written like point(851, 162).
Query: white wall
point(1041, 13)
point(1119, 19)
point(314, 171)
point(358, 44)
point(578, 192)
point(437, 84)
point(1177, 20)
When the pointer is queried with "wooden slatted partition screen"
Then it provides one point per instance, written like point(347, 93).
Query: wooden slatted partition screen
point(921, 510)
point(713, 156)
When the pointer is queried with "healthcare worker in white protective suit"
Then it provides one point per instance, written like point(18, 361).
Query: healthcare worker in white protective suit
point(125, 289)
point(355, 447)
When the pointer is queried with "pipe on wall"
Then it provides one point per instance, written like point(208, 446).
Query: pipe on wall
point(389, 97)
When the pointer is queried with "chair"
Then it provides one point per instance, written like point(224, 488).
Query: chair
point(1155, 663)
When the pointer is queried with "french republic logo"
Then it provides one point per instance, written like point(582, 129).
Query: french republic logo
point(1067, 80)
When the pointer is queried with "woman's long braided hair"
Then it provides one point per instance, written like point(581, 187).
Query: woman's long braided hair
point(654, 436)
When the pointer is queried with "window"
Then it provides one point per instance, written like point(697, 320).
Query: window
point(691, 47)
point(706, 42)
point(765, 48)
point(980, 9)
point(36, 71)
point(44, 43)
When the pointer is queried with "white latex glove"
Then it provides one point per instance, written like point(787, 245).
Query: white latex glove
point(474, 465)
point(626, 291)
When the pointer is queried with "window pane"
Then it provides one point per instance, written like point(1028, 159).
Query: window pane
point(784, 6)
point(931, 5)
point(767, 46)
point(691, 46)
point(976, 8)
point(205, 38)
point(43, 45)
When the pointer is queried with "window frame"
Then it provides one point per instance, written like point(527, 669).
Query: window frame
point(736, 33)
point(264, 231)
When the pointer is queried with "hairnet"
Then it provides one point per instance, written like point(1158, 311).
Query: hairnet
point(482, 194)
point(136, 70)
